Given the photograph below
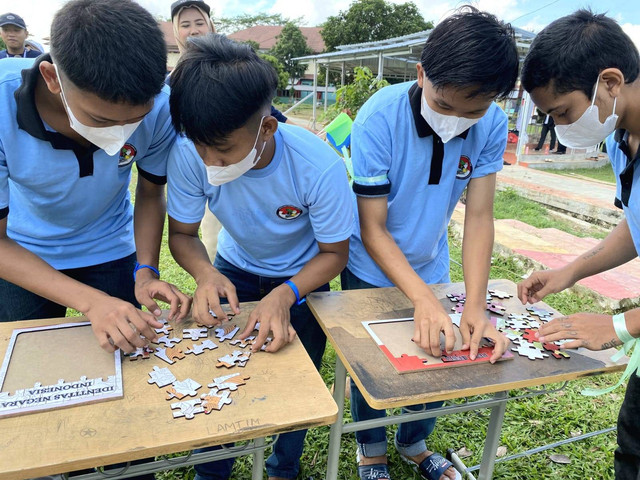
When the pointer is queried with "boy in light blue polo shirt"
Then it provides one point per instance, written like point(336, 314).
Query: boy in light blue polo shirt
point(415, 147)
point(592, 91)
point(71, 126)
point(281, 195)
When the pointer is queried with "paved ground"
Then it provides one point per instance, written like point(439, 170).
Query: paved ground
point(552, 248)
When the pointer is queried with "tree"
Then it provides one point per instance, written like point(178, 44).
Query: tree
point(352, 96)
point(255, 46)
point(2, 45)
point(283, 76)
point(244, 21)
point(289, 45)
point(371, 20)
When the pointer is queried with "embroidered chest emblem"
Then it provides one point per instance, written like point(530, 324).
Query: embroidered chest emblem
point(464, 168)
point(127, 154)
point(288, 212)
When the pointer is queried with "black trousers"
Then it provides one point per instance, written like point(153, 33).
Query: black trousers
point(627, 455)
point(543, 136)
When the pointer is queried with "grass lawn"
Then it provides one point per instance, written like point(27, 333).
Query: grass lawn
point(508, 204)
point(604, 174)
point(528, 423)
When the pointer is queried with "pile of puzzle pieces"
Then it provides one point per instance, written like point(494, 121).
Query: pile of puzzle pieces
point(520, 328)
point(221, 387)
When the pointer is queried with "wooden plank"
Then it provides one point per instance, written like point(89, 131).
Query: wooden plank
point(284, 393)
point(340, 314)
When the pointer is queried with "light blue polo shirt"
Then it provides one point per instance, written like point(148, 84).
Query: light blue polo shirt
point(272, 218)
point(619, 155)
point(68, 204)
point(396, 154)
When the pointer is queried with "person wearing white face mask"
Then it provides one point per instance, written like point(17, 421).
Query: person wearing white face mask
point(73, 124)
point(591, 89)
point(415, 147)
point(281, 194)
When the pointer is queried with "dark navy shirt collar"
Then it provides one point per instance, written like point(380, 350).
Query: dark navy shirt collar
point(29, 119)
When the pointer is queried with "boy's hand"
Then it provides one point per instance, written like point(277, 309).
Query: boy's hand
point(149, 288)
point(429, 320)
point(273, 314)
point(589, 330)
point(542, 283)
point(206, 299)
point(474, 325)
point(118, 324)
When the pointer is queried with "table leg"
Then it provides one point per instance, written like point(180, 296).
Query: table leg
point(493, 437)
point(335, 435)
point(258, 460)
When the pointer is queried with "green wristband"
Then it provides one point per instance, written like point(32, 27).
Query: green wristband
point(620, 326)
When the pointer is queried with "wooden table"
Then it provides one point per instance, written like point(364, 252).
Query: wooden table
point(140, 425)
point(340, 314)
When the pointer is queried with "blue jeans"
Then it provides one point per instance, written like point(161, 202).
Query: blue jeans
point(285, 460)
point(410, 437)
point(115, 278)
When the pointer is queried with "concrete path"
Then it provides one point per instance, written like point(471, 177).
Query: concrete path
point(590, 200)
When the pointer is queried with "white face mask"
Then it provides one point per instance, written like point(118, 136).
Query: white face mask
point(110, 139)
point(445, 126)
point(219, 175)
point(587, 131)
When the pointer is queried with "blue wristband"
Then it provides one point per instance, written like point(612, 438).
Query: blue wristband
point(293, 287)
point(141, 265)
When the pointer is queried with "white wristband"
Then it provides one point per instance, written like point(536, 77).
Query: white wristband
point(620, 326)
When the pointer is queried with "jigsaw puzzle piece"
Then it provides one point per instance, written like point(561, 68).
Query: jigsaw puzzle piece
point(195, 333)
point(168, 342)
point(144, 353)
point(161, 377)
point(229, 382)
point(236, 358)
point(499, 294)
point(227, 332)
point(198, 348)
point(166, 328)
point(187, 409)
point(215, 400)
point(527, 349)
point(181, 389)
point(169, 355)
point(243, 343)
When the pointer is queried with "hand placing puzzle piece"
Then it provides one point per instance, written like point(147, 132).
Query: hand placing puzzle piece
point(161, 377)
point(198, 348)
point(181, 389)
point(215, 400)
point(187, 409)
point(235, 358)
point(229, 382)
point(195, 333)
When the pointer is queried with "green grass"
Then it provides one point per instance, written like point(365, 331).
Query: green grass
point(508, 204)
point(604, 174)
point(528, 423)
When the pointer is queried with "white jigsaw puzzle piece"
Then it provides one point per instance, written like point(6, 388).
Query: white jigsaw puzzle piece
point(221, 336)
point(187, 409)
point(198, 348)
point(195, 333)
point(161, 377)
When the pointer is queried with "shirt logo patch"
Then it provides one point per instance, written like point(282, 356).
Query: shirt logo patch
point(289, 212)
point(464, 168)
point(127, 154)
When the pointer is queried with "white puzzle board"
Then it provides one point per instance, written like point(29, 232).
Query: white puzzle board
point(57, 366)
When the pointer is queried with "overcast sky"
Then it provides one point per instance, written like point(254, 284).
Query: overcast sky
point(528, 14)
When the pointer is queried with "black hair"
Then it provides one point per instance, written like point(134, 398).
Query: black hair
point(217, 87)
point(472, 49)
point(573, 50)
point(111, 48)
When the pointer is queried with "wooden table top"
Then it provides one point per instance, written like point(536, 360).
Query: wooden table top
point(340, 314)
point(284, 393)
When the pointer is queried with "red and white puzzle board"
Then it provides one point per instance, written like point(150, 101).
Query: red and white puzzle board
point(393, 337)
point(57, 366)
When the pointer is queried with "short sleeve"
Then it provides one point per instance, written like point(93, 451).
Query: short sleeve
point(371, 155)
point(186, 200)
point(153, 166)
point(491, 157)
point(4, 185)
point(331, 205)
